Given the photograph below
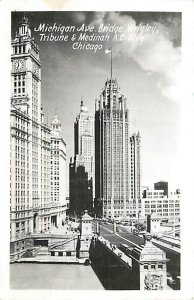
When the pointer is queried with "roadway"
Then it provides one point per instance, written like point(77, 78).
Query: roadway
point(106, 230)
point(125, 237)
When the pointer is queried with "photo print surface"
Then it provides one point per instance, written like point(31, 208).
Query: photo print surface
point(95, 129)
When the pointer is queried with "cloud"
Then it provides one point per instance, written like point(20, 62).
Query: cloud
point(96, 18)
point(157, 54)
point(79, 17)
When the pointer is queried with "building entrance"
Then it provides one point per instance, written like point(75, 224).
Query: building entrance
point(54, 220)
point(35, 222)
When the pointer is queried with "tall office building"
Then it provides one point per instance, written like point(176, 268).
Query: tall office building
point(135, 175)
point(80, 190)
point(112, 159)
point(58, 173)
point(83, 187)
point(84, 142)
point(30, 201)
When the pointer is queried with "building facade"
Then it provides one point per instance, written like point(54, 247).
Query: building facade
point(112, 158)
point(30, 201)
point(82, 169)
point(135, 175)
point(80, 190)
point(58, 174)
point(84, 142)
point(155, 201)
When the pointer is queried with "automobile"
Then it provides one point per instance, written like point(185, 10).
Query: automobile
point(110, 221)
point(106, 222)
point(125, 224)
point(135, 232)
point(157, 236)
point(142, 233)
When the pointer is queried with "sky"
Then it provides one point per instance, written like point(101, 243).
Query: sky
point(148, 74)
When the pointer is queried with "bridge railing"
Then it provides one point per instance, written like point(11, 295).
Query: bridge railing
point(61, 243)
point(124, 258)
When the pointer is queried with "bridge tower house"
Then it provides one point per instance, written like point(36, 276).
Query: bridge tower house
point(149, 266)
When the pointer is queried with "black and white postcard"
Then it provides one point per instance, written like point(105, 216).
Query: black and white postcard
point(98, 147)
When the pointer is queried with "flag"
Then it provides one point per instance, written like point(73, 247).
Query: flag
point(108, 50)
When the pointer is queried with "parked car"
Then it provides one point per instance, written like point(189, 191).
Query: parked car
point(135, 231)
point(142, 233)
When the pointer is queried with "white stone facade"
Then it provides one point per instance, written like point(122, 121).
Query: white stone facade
point(135, 175)
point(154, 201)
point(58, 173)
point(84, 143)
point(30, 140)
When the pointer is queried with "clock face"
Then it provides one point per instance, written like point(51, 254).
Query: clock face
point(18, 65)
point(35, 70)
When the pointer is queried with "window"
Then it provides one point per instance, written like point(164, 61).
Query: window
point(159, 266)
point(145, 267)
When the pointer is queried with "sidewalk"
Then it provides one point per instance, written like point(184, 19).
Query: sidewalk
point(168, 246)
point(52, 259)
point(68, 229)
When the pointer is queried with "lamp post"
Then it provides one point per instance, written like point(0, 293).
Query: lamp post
point(114, 226)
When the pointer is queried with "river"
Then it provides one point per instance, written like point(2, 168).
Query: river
point(53, 277)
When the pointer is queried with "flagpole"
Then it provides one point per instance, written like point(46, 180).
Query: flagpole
point(110, 51)
point(111, 63)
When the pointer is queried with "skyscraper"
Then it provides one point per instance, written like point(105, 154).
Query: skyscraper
point(135, 175)
point(82, 170)
point(112, 160)
point(84, 142)
point(30, 142)
point(58, 173)
point(80, 190)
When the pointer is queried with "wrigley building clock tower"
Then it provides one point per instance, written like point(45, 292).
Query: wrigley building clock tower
point(30, 201)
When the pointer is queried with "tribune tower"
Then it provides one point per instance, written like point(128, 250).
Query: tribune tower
point(112, 153)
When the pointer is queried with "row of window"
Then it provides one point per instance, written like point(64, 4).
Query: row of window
point(55, 162)
point(19, 49)
point(153, 267)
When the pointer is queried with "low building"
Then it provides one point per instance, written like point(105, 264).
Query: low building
point(155, 201)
